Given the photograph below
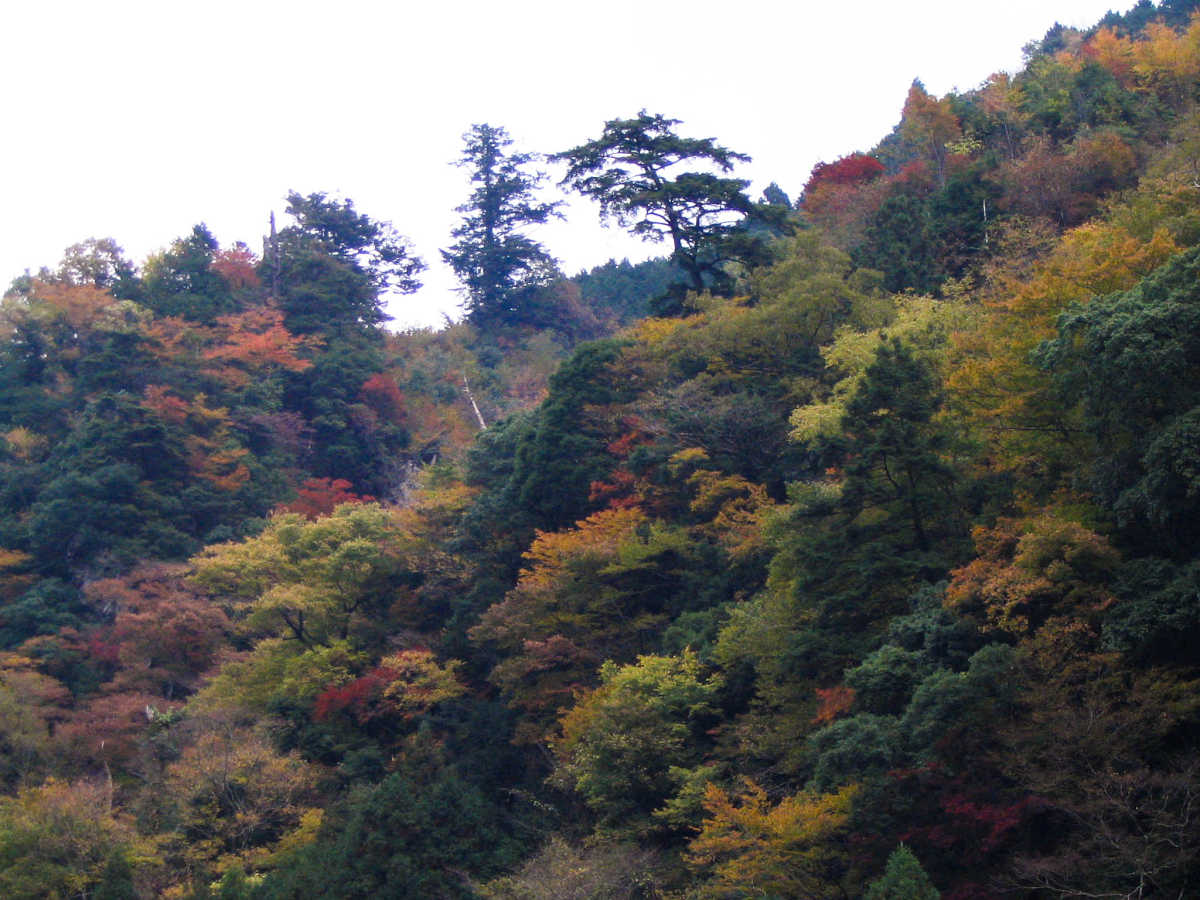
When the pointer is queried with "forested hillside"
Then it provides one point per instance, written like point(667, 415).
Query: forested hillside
point(850, 549)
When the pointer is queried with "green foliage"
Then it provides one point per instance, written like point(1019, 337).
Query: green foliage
point(393, 684)
point(335, 262)
point(960, 704)
point(631, 170)
point(46, 608)
point(1158, 617)
point(895, 464)
point(885, 680)
point(60, 841)
point(603, 590)
point(856, 548)
point(862, 746)
point(900, 244)
point(1130, 358)
point(922, 324)
point(903, 880)
point(623, 291)
point(499, 266)
point(24, 738)
point(941, 637)
point(416, 834)
point(624, 746)
point(542, 466)
point(313, 582)
point(1063, 99)
point(182, 281)
point(115, 488)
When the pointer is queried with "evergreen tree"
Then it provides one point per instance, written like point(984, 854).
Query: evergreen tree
point(181, 281)
point(334, 266)
point(894, 464)
point(499, 267)
point(633, 171)
point(903, 880)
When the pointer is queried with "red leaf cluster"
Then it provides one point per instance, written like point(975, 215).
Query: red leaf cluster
point(320, 496)
point(856, 168)
point(355, 697)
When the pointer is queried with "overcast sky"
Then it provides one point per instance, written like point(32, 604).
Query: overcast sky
point(136, 120)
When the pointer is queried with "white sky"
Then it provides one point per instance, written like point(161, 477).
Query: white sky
point(136, 120)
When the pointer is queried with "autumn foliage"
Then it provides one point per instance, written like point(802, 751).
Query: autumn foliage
point(868, 568)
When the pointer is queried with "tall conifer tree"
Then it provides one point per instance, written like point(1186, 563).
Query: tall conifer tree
point(499, 266)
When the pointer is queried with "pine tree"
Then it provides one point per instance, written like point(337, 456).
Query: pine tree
point(634, 171)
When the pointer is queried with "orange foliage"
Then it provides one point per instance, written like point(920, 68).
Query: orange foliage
point(835, 702)
point(626, 443)
point(237, 265)
point(178, 340)
point(160, 401)
point(1000, 99)
point(1030, 572)
point(563, 616)
point(166, 634)
point(79, 305)
point(212, 453)
point(929, 125)
point(436, 427)
point(256, 340)
point(1113, 52)
point(552, 552)
point(110, 728)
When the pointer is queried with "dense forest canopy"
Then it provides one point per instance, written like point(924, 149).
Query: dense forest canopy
point(848, 550)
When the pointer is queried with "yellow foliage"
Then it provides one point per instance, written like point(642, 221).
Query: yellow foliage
point(24, 444)
point(1113, 52)
point(736, 510)
point(597, 535)
point(59, 838)
point(752, 847)
point(653, 332)
point(1168, 62)
point(923, 323)
point(993, 381)
point(238, 799)
point(304, 834)
point(10, 559)
point(419, 682)
point(277, 668)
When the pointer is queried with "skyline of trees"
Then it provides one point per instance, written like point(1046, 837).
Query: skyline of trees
point(813, 585)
